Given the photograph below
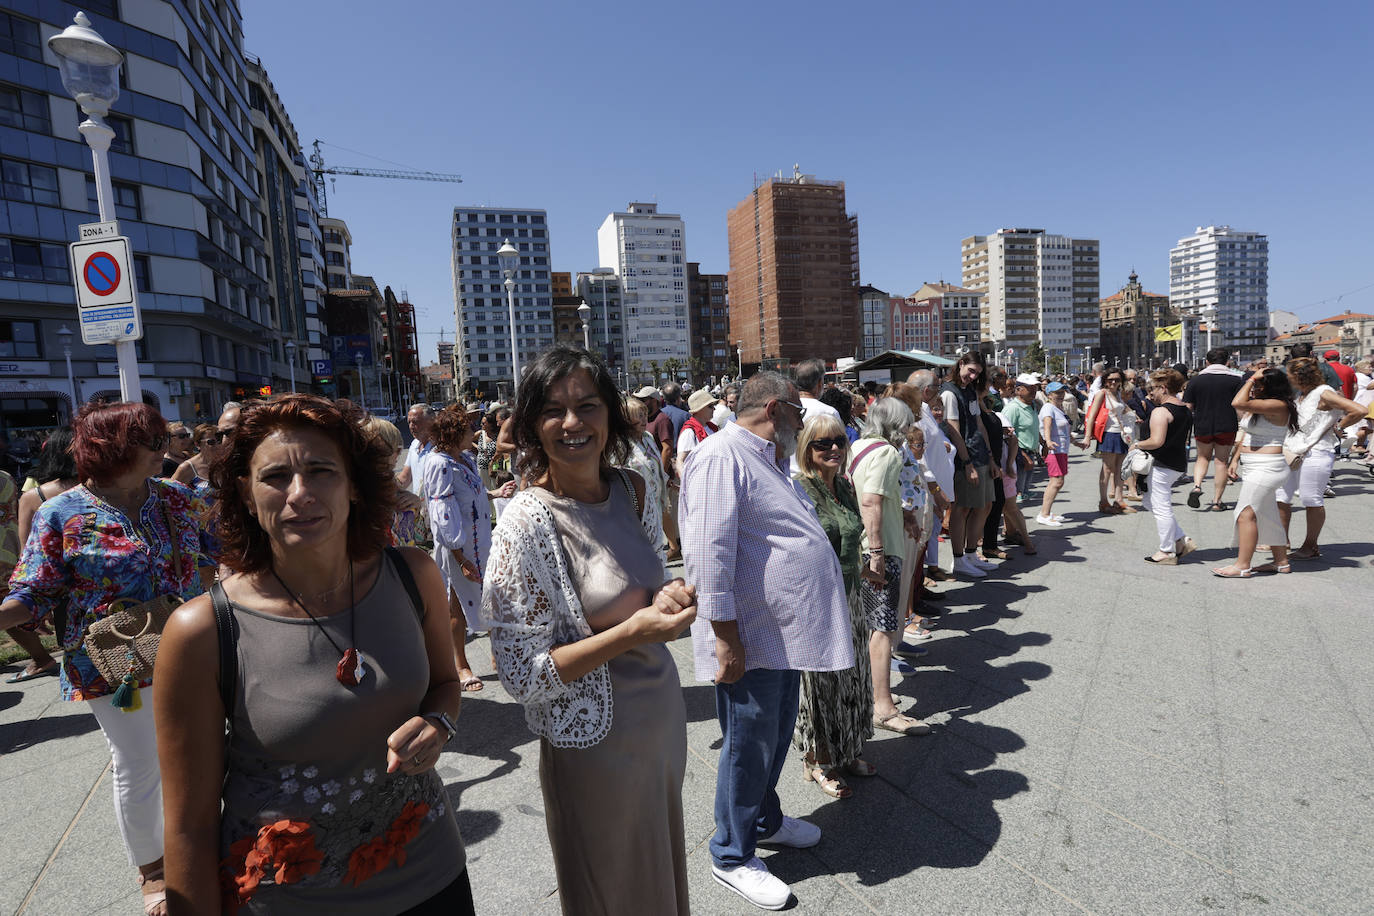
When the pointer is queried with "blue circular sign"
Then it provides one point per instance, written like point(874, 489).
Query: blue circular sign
point(101, 273)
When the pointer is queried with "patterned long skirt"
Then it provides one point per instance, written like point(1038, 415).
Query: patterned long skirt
point(835, 715)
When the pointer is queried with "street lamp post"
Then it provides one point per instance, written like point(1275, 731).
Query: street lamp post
point(291, 360)
point(584, 311)
point(89, 66)
point(64, 334)
point(362, 388)
point(1210, 313)
point(509, 256)
point(739, 354)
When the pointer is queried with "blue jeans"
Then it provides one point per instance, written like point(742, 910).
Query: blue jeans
point(1023, 481)
point(757, 714)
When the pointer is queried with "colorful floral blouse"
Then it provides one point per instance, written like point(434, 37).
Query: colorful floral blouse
point(89, 554)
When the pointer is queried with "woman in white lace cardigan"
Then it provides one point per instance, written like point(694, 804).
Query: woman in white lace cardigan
point(579, 613)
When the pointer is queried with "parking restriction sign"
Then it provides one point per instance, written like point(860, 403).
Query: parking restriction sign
point(106, 302)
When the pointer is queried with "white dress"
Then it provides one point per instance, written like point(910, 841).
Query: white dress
point(460, 518)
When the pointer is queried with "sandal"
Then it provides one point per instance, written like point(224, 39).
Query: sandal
point(1195, 498)
point(29, 673)
point(1302, 553)
point(1123, 509)
point(1216, 507)
point(471, 684)
point(1233, 572)
point(901, 724)
point(860, 767)
point(1166, 560)
point(1184, 546)
point(828, 780)
point(154, 901)
point(1285, 569)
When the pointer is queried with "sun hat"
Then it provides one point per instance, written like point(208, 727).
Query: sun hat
point(699, 399)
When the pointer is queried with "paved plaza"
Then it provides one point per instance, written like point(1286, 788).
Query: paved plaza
point(1110, 737)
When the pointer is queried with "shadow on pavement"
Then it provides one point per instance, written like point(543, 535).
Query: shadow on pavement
point(16, 736)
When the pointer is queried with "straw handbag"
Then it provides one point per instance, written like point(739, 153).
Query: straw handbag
point(123, 644)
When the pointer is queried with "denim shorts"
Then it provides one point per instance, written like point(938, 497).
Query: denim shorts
point(1112, 444)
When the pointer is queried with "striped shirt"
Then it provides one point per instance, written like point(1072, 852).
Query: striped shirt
point(757, 554)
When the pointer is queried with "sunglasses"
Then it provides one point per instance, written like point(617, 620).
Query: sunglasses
point(825, 445)
point(217, 437)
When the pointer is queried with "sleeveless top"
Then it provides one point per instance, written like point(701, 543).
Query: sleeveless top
point(1311, 418)
point(1264, 432)
point(1173, 454)
point(974, 441)
point(307, 788)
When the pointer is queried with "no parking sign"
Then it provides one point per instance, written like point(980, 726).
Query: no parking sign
point(105, 298)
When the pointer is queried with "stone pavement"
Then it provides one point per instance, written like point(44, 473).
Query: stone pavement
point(1111, 737)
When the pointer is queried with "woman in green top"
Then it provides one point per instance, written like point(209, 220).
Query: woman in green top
point(835, 715)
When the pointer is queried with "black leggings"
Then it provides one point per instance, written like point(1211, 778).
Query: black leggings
point(994, 520)
point(454, 900)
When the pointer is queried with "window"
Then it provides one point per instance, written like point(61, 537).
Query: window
point(24, 260)
point(20, 37)
point(127, 205)
point(23, 109)
point(29, 183)
point(19, 339)
point(142, 275)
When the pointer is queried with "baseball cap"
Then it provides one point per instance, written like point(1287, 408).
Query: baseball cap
point(1030, 379)
point(1054, 386)
point(1332, 354)
point(649, 391)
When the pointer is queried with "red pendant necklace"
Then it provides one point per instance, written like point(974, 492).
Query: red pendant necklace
point(351, 668)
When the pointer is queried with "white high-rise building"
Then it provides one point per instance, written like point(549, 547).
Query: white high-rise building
point(647, 249)
point(1228, 269)
point(482, 351)
point(1036, 287)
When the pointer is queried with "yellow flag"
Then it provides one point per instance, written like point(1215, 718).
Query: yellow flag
point(1172, 332)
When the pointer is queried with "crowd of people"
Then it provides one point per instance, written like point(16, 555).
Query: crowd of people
point(312, 588)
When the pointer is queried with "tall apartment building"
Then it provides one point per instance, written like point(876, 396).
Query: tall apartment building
point(294, 238)
point(793, 272)
point(1226, 269)
point(647, 249)
point(709, 298)
point(600, 288)
point(1036, 287)
point(875, 321)
point(479, 296)
point(918, 319)
point(186, 191)
point(445, 348)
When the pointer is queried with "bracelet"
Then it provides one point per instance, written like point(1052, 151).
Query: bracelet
point(874, 547)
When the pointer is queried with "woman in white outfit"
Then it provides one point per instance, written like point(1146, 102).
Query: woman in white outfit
point(1321, 409)
point(1167, 442)
point(1268, 399)
point(460, 519)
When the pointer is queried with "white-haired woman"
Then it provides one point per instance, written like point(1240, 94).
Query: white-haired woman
point(835, 715)
point(876, 468)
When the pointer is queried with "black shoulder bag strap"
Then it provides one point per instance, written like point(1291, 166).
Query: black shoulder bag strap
point(408, 580)
point(228, 631)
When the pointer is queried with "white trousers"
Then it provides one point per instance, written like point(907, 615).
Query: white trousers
point(1306, 487)
point(1160, 501)
point(137, 778)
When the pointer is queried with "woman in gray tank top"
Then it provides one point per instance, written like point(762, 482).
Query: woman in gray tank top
point(332, 662)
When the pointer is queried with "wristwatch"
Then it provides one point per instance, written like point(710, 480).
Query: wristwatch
point(443, 719)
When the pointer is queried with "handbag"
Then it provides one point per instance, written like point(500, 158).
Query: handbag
point(123, 644)
point(1291, 458)
point(1138, 462)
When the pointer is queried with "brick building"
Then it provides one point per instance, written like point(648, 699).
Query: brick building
point(793, 272)
point(1129, 319)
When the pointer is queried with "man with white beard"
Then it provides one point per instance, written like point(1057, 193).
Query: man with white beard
point(770, 604)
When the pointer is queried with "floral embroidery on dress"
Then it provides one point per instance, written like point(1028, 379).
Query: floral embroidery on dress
point(286, 848)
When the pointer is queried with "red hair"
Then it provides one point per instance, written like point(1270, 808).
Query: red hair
point(105, 438)
point(244, 545)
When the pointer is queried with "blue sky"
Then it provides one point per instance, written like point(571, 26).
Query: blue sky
point(1130, 123)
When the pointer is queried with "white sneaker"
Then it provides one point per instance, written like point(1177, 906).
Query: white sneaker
point(1048, 522)
point(754, 883)
point(794, 832)
point(963, 566)
point(980, 561)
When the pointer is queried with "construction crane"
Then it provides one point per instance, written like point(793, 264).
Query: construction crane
point(318, 169)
